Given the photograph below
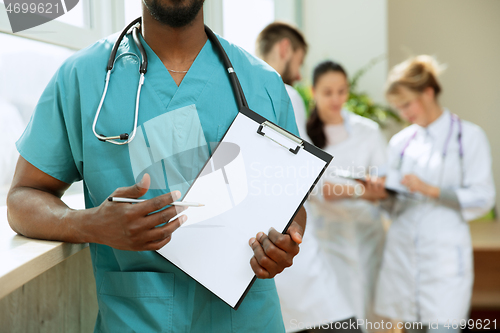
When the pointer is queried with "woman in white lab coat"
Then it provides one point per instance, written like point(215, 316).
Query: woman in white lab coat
point(318, 304)
point(445, 163)
point(345, 216)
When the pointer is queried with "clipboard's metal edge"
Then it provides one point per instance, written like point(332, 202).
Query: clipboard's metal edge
point(306, 145)
point(283, 132)
point(261, 120)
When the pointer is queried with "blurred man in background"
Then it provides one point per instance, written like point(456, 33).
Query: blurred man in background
point(284, 48)
point(310, 297)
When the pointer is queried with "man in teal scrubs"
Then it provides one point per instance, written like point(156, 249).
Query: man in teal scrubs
point(186, 88)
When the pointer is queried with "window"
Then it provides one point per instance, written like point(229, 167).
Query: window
point(30, 58)
point(243, 21)
point(133, 9)
point(79, 16)
point(89, 21)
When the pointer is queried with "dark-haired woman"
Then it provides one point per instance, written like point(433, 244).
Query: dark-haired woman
point(345, 215)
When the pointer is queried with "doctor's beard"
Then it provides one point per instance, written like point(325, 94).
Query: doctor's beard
point(286, 76)
point(174, 13)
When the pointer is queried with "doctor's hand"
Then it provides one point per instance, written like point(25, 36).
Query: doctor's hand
point(274, 252)
point(135, 227)
point(374, 189)
point(415, 184)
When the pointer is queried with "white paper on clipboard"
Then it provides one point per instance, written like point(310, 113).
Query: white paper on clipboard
point(250, 184)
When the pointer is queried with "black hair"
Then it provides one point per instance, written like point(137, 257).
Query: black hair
point(315, 126)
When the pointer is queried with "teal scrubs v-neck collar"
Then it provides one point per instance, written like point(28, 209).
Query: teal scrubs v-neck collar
point(190, 87)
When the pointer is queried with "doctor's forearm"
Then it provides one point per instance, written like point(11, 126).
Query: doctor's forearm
point(37, 214)
point(34, 207)
point(119, 225)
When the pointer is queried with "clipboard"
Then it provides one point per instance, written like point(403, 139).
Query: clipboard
point(258, 177)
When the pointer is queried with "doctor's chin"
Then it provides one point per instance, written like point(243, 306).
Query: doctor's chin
point(243, 166)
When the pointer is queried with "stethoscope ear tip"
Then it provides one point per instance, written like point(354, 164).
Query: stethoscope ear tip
point(124, 136)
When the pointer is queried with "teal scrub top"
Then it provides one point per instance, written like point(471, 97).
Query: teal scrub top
point(141, 291)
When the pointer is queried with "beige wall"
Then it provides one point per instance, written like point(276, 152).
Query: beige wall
point(465, 35)
point(352, 32)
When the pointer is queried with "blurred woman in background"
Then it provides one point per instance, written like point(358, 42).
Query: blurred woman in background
point(441, 165)
point(345, 216)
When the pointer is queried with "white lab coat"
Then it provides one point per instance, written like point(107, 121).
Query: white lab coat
point(427, 269)
point(299, 110)
point(350, 232)
point(308, 291)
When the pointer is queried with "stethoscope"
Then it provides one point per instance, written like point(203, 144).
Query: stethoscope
point(454, 118)
point(133, 28)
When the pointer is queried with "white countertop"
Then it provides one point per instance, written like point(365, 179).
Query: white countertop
point(485, 235)
point(22, 259)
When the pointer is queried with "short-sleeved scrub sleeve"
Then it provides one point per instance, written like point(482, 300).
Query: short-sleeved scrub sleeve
point(46, 141)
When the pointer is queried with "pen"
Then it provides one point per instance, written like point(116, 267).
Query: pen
point(175, 203)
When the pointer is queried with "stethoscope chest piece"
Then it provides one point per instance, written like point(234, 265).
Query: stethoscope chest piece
point(124, 137)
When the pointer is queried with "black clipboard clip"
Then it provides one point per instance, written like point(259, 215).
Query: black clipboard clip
point(281, 131)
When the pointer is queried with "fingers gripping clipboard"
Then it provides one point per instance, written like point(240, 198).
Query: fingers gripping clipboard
point(258, 177)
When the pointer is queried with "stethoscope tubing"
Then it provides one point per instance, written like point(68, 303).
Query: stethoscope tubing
point(454, 118)
point(133, 28)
